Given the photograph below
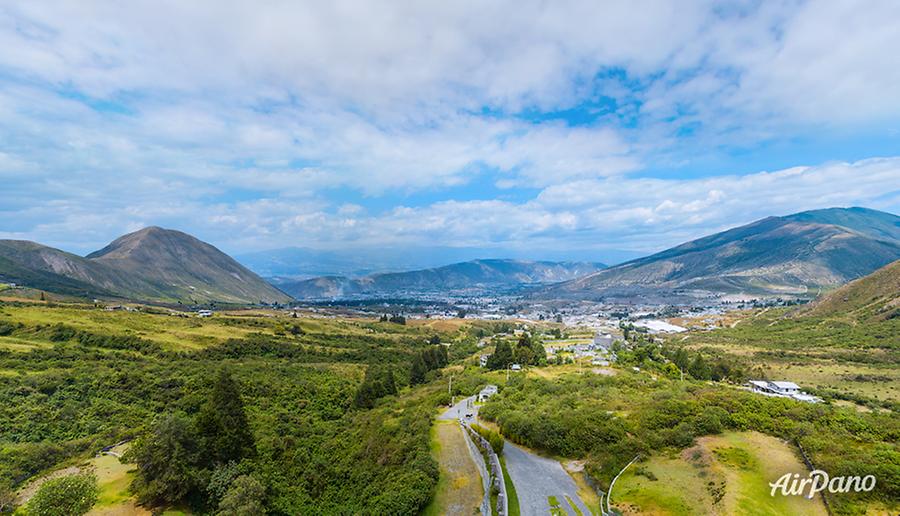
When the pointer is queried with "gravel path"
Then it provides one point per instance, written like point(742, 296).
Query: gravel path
point(537, 478)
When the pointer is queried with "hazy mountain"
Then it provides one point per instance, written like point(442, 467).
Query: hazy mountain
point(792, 254)
point(152, 264)
point(304, 263)
point(471, 276)
point(876, 296)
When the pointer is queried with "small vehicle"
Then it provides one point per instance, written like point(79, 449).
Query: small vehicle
point(469, 415)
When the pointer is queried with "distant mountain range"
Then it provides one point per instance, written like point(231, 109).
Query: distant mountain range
point(798, 254)
point(795, 254)
point(300, 263)
point(152, 264)
point(469, 277)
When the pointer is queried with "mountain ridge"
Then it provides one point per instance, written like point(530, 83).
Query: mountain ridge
point(472, 275)
point(152, 264)
point(793, 254)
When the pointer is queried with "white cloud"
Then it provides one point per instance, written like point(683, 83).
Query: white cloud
point(241, 120)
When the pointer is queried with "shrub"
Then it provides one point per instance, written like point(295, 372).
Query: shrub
point(494, 438)
point(70, 495)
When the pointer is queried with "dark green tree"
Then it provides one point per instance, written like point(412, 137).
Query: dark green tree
point(222, 423)
point(502, 356)
point(166, 459)
point(418, 370)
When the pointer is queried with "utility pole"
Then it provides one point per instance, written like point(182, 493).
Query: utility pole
point(450, 390)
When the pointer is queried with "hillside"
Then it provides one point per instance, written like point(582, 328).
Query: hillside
point(152, 264)
point(873, 297)
point(472, 276)
point(794, 254)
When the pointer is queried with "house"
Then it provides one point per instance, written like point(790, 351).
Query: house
point(599, 362)
point(603, 340)
point(204, 313)
point(483, 359)
point(487, 392)
point(516, 367)
point(781, 389)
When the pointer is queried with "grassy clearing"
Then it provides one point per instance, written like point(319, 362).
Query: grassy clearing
point(459, 489)
point(722, 474)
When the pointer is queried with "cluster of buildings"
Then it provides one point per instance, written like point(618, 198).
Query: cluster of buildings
point(781, 390)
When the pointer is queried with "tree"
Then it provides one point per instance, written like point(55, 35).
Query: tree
point(501, 357)
point(245, 497)
point(434, 340)
point(418, 370)
point(70, 495)
point(377, 383)
point(166, 459)
point(222, 423)
point(699, 369)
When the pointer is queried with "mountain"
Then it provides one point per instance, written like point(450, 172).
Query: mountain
point(152, 264)
point(297, 263)
point(794, 254)
point(872, 297)
point(466, 277)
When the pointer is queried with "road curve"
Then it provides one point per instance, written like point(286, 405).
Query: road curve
point(536, 479)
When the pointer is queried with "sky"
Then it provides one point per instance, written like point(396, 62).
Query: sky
point(511, 125)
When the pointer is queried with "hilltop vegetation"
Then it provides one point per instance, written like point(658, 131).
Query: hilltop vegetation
point(610, 419)
point(69, 388)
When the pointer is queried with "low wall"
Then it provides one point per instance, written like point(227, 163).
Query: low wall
point(495, 469)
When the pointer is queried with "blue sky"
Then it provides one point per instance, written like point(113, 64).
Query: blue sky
point(579, 126)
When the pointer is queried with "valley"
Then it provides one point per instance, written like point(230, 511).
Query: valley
point(339, 403)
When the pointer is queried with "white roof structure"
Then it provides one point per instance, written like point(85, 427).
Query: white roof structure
point(785, 386)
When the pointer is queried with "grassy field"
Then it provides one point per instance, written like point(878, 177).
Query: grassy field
point(833, 356)
point(459, 490)
point(724, 474)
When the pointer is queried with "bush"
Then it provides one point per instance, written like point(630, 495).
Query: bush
point(71, 495)
point(494, 438)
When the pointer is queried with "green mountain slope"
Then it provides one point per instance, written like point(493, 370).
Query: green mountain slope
point(874, 297)
point(152, 264)
point(793, 254)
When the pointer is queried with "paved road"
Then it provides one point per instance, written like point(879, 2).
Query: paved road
point(537, 478)
point(462, 408)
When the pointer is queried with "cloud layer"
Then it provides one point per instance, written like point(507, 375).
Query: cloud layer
point(572, 124)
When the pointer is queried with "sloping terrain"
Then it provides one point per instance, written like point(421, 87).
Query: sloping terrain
point(873, 297)
point(152, 264)
point(795, 254)
point(472, 275)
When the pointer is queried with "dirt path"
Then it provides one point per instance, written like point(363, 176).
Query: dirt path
point(459, 489)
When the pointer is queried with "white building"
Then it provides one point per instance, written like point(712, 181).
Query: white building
point(204, 313)
point(781, 390)
point(516, 367)
point(483, 360)
point(487, 392)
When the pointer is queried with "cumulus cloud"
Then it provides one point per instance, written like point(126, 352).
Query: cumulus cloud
point(277, 124)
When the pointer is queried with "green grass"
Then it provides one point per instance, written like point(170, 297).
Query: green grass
point(555, 509)
point(513, 497)
point(727, 474)
point(573, 506)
